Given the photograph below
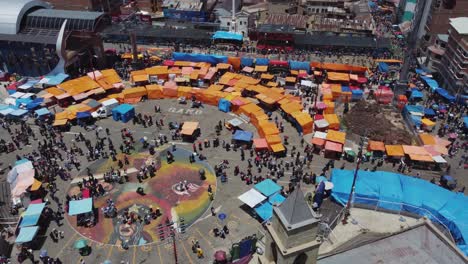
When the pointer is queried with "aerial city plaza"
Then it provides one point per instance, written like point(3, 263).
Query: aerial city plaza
point(229, 131)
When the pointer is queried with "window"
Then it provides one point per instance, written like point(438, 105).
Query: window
point(229, 24)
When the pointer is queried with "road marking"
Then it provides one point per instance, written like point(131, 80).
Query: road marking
point(66, 244)
point(186, 253)
point(207, 241)
point(159, 253)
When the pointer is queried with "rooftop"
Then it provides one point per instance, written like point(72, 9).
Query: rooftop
point(460, 24)
point(294, 212)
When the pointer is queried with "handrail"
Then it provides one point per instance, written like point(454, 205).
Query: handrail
point(427, 212)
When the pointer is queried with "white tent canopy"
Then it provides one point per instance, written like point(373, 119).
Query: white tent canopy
point(322, 123)
point(318, 134)
point(439, 159)
point(252, 198)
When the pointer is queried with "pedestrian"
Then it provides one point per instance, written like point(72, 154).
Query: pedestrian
point(200, 253)
point(213, 212)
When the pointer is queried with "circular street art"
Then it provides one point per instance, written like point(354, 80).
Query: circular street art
point(176, 189)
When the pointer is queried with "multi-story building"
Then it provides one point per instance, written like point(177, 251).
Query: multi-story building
point(438, 18)
point(454, 64)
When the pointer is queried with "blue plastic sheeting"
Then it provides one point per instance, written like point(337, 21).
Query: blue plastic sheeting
point(429, 112)
point(81, 115)
point(27, 85)
point(42, 112)
point(123, 112)
point(276, 199)
point(247, 61)
point(241, 135)
point(29, 220)
point(465, 120)
point(26, 234)
point(299, 65)
point(262, 61)
point(414, 108)
point(35, 103)
point(18, 113)
point(265, 211)
point(22, 161)
point(4, 106)
point(415, 94)
point(56, 79)
point(80, 206)
point(227, 35)
point(267, 187)
point(6, 111)
point(356, 94)
point(445, 94)
point(194, 57)
point(224, 105)
point(420, 71)
point(383, 67)
point(34, 209)
point(394, 191)
point(345, 89)
point(416, 120)
point(23, 101)
point(431, 82)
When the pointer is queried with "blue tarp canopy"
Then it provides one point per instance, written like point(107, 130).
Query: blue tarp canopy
point(80, 206)
point(445, 94)
point(247, 61)
point(417, 120)
point(262, 61)
point(27, 85)
point(19, 113)
point(299, 65)
point(414, 109)
point(26, 234)
point(431, 82)
point(383, 67)
point(34, 209)
point(4, 106)
point(356, 93)
point(396, 192)
point(241, 135)
point(22, 161)
point(35, 103)
point(81, 115)
point(23, 101)
point(56, 79)
point(123, 112)
point(429, 112)
point(420, 71)
point(276, 199)
point(416, 94)
point(29, 220)
point(6, 111)
point(265, 211)
point(227, 35)
point(345, 89)
point(267, 187)
point(465, 120)
point(194, 57)
point(42, 111)
point(224, 105)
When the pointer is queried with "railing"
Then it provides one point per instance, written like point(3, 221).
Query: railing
point(401, 211)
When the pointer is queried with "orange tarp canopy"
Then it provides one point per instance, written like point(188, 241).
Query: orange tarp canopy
point(427, 139)
point(291, 107)
point(336, 136)
point(277, 148)
point(194, 75)
point(291, 79)
point(154, 91)
point(332, 120)
point(425, 158)
point(338, 76)
point(223, 66)
point(216, 87)
point(338, 67)
point(415, 150)
point(268, 128)
point(79, 85)
point(184, 63)
point(436, 148)
point(157, 70)
point(111, 76)
point(134, 92)
point(55, 91)
point(333, 146)
point(272, 84)
point(174, 70)
point(376, 145)
point(235, 62)
point(266, 76)
point(140, 78)
point(261, 68)
point(394, 150)
point(318, 141)
point(60, 122)
point(189, 128)
point(273, 139)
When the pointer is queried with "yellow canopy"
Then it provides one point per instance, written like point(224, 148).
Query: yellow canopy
point(60, 122)
point(261, 68)
point(277, 148)
point(394, 150)
point(36, 185)
point(336, 136)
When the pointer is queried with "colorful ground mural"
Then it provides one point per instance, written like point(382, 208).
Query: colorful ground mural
point(160, 192)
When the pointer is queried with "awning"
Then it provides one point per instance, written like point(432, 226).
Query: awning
point(332, 146)
point(241, 135)
point(376, 145)
point(318, 141)
point(267, 187)
point(26, 234)
point(80, 206)
point(439, 159)
point(424, 158)
point(394, 150)
point(252, 198)
point(189, 128)
point(235, 122)
point(260, 143)
point(265, 211)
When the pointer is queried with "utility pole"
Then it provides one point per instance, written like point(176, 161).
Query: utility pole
point(353, 186)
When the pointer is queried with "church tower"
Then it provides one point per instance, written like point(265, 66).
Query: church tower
point(292, 233)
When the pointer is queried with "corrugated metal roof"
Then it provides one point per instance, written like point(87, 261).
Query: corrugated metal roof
point(12, 12)
point(66, 14)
